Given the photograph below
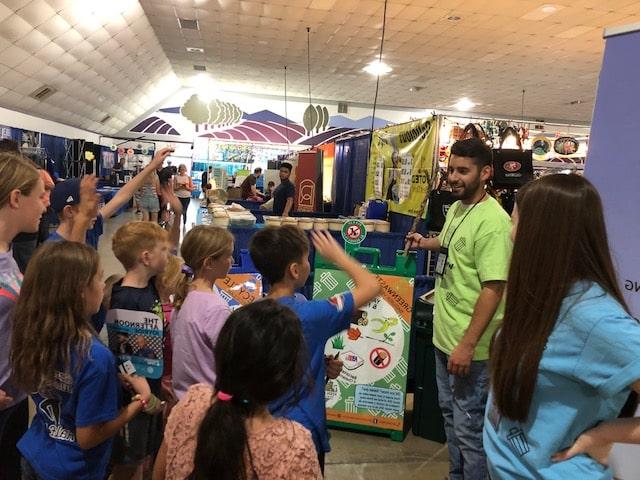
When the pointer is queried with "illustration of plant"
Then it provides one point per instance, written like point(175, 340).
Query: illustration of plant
point(338, 342)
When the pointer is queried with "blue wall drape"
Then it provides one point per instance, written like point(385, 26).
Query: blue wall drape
point(350, 173)
point(55, 154)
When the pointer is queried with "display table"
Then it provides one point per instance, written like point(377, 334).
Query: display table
point(388, 243)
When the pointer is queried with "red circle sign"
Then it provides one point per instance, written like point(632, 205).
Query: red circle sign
point(354, 232)
point(380, 357)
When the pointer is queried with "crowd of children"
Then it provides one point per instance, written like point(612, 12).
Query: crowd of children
point(187, 389)
point(250, 383)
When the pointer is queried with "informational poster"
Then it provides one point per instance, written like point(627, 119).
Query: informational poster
point(137, 337)
point(239, 289)
point(371, 389)
point(407, 154)
point(613, 166)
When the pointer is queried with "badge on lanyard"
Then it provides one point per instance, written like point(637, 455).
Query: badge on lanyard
point(441, 265)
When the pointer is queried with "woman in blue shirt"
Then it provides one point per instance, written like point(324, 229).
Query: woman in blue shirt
point(565, 361)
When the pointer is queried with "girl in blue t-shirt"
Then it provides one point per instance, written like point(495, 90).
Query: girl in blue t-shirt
point(55, 353)
point(565, 364)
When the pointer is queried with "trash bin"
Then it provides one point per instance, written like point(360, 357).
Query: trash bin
point(427, 418)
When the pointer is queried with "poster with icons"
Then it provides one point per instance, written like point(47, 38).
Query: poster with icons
point(370, 391)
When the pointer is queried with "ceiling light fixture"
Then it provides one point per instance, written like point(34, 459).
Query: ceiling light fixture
point(549, 8)
point(464, 105)
point(454, 18)
point(205, 87)
point(377, 68)
point(195, 50)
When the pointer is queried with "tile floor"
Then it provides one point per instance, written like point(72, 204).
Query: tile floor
point(355, 456)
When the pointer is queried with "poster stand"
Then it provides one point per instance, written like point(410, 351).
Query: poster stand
point(370, 393)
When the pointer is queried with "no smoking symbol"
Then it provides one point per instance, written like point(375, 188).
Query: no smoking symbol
point(380, 357)
point(353, 232)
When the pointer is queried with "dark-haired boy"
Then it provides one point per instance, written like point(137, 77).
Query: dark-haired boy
point(475, 250)
point(281, 255)
point(285, 193)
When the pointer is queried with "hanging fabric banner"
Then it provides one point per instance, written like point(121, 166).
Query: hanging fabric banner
point(401, 162)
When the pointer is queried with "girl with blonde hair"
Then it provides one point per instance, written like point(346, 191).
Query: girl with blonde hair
point(23, 200)
point(199, 312)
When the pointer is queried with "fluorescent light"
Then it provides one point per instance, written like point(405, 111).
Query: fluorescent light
point(206, 88)
point(377, 68)
point(464, 104)
point(542, 12)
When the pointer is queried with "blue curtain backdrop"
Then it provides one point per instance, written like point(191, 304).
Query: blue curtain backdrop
point(55, 154)
point(350, 173)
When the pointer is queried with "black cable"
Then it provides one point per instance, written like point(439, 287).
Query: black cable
point(286, 112)
point(309, 61)
point(375, 100)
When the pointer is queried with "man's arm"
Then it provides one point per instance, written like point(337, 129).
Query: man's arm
point(415, 240)
point(483, 312)
point(128, 190)
point(287, 207)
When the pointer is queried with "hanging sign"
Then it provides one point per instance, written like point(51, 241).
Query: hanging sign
point(566, 146)
point(407, 152)
point(130, 152)
point(113, 147)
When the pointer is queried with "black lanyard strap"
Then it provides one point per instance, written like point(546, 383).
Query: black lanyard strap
point(463, 219)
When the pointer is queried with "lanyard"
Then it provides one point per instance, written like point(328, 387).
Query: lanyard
point(463, 219)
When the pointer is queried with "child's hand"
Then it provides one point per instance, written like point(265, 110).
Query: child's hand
point(5, 399)
point(334, 367)
point(327, 246)
point(160, 156)
point(137, 384)
point(588, 443)
point(89, 197)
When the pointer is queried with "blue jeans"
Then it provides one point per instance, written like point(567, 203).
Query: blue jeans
point(462, 401)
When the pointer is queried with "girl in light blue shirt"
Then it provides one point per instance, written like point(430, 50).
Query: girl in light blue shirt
point(566, 360)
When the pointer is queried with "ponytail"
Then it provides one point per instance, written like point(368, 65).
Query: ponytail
point(183, 286)
point(223, 441)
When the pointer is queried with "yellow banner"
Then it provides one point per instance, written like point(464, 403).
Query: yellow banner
point(401, 163)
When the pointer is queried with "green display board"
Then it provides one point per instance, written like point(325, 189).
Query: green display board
point(370, 392)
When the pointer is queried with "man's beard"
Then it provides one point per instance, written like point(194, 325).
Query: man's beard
point(467, 192)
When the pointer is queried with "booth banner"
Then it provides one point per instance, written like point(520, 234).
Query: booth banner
point(309, 181)
point(613, 167)
point(138, 337)
point(403, 155)
point(239, 289)
point(371, 389)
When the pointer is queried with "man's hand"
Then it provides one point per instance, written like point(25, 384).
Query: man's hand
point(5, 399)
point(334, 367)
point(413, 240)
point(460, 359)
point(89, 197)
point(589, 443)
point(160, 156)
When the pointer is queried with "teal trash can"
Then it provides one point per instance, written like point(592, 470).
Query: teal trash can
point(427, 418)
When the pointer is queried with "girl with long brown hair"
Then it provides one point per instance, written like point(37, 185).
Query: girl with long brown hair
point(56, 355)
point(565, 360)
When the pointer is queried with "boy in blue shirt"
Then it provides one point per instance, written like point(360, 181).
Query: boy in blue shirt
point(66, 197)
point(281, 255)
point(143, 250)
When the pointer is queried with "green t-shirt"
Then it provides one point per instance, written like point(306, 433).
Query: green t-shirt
point(480, 251)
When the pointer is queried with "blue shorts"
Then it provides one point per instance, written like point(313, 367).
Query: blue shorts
point(150, 203)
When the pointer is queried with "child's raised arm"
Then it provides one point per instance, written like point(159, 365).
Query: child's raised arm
point(367, 286)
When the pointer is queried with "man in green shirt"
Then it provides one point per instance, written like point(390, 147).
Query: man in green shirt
point(473, 262)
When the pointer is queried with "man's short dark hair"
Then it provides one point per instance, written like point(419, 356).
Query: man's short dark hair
point(286, 165)
point(8, 145)
point(273, 249)
point(475, 149)
point(210, 168)
point(257, 170)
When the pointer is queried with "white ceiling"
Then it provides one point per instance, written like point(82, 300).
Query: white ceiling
point(121, 57)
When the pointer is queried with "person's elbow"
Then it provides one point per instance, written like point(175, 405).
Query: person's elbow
point(87, 438)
